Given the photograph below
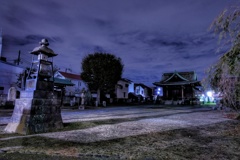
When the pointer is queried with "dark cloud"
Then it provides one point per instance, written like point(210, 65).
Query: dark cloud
point(99, 49)
point(10, 40)
point(13, 40)
point(177, 44)
point(104, 24)
point(161, 66)
point(151, 37)
point(33, 39)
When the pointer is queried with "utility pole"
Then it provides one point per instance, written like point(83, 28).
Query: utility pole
point(1, 41)
point(19, 54)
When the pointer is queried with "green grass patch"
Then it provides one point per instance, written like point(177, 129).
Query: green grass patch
point(74, 126)
point(90, 124)
point(30, 156)
point(189, 143)
point(209, 104)
point(77, 125)
point(5, 135)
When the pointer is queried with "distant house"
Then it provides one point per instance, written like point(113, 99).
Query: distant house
point(72, 92)
point(128, 91)
point(122, 89)
point(142, 91)
point(179, 86)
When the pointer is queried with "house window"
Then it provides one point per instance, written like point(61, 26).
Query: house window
point(137, 91)
point(126, 85)
point(124, 94)
point(120, 86)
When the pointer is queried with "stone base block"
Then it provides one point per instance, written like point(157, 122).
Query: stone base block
point(36, 84)
point(35, 115)
point(39, 94)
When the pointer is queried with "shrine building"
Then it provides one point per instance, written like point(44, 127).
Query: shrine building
point(179, 86)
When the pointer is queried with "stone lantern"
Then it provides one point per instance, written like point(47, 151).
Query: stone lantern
point(41, 70)
point(38, 109)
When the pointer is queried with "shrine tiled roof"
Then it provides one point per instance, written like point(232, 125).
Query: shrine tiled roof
point(178, 78)
point(187, 76)
point(195, 83)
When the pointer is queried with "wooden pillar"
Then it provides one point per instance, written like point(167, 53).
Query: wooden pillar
point(167, 92)
point(182, 92)
point(192, 85)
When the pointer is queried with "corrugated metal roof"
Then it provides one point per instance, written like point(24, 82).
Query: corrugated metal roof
point(70, 75)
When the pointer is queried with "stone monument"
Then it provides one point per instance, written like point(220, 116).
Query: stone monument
point(38, 109)
point(83, 96)
point(12, 94)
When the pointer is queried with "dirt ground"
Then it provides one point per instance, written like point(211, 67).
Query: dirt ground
point(218, 140)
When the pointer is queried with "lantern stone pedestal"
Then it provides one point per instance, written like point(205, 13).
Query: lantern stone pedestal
point(38, 109)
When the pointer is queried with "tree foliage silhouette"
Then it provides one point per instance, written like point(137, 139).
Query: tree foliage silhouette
point(101, 71)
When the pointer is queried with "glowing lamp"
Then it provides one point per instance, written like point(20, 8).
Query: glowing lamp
point(209, 93)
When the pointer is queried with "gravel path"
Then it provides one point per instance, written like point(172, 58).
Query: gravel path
point(138, 121)
point(175, 120)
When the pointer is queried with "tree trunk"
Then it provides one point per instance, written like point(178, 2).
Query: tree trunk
point(98, 97)
point(62, 97)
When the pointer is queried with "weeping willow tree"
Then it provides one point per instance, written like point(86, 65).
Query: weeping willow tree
point(224, 75)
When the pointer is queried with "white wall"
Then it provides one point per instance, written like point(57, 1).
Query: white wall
point(139, 91)
point(131, 87)
point(8, 75)
point(122, 92)
point(79, 85)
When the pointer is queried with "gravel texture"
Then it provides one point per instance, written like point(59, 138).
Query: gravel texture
point(146, 132)
point(176, 120)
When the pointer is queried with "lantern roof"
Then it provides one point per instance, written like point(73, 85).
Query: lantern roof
point(43, 49)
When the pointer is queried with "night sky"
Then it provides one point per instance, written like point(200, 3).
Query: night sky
point(150, 36)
